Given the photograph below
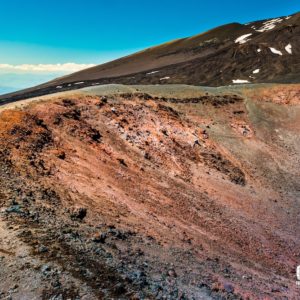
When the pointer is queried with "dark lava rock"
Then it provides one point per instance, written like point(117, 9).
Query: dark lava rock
point(79, 213)
point(100, 238)
point(62, 155)
point(43, 249)
point(120, 288)
point(14, 209)
point(172, 273)
point(122, 162)
point(228, 288)
point(95, 135)
point(68, 102)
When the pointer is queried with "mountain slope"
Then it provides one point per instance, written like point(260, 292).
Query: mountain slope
point(152, 195)
point(262, 51)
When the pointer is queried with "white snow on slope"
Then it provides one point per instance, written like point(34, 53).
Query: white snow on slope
point(288, 49)
point(288, 17)
point(258, 50)
point(268, 25)
point(153, 72)
point(256, 71)
point(81, 82)
point(275, 51)
point(165, 78)
point(243, 39)
point(240, 81)
point(59, 87)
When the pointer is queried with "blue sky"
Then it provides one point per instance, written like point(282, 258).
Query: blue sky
point(92, 32)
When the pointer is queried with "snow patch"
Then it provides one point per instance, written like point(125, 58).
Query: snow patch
point(275, 51)
point(288, 17)
point(243, 39)
point(269, 25)
point(240, 81)
point(153, 72)
point(258, 50)
point(288, 49)
point(59, 87)
point(165, 78)
point(256, 71)
point(81, 82)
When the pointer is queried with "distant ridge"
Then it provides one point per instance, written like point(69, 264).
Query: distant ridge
point(266, 51)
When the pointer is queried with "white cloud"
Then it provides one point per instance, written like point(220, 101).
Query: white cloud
point(17, 77)
point(64, 68)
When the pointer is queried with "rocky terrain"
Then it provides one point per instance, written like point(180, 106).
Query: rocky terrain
point(148, 194)
point(266, 51)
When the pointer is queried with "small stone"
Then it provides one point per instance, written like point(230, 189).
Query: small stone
point(172, 273)
point(228, 288)
point(100, 238)
point(61, 155)
point(14, 209)
point(120, 288)
point(122, 162)
point(79, 213)
point(43, 249)
point(45, 268)
point(56, 283)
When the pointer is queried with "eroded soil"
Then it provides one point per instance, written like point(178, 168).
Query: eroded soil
point(140, 197)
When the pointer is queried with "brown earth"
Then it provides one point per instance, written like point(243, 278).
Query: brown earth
point(136, 196)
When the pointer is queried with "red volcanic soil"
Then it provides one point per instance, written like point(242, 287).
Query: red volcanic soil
point(140, 197)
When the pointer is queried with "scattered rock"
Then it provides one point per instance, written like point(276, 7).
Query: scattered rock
point(122, 162)
point(14, 209)
point(79, 213)
point(45, 269)
point(61, 155)
point(100, 238)
point(172, 273)
point(228, 288)
point(43, 249)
